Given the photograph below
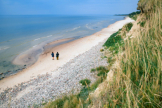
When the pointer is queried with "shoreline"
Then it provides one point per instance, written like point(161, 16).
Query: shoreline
point(67, 51)
point(28, 59)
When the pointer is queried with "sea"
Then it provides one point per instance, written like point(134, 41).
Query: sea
point(30, 33)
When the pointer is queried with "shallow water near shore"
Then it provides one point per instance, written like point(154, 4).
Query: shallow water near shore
point(30, 34)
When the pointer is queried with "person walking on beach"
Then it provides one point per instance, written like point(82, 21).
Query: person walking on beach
point(52, 55)
point(57, 55)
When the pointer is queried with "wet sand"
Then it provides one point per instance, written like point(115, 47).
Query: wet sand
point(67, 51)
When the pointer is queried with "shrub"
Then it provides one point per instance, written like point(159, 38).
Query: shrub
point(142, 24)
point(113, 39)
point(105, 56)
point(129, 26)
point(134, 15)
point(102, 73)
point(85, 82)
point(65, 102)
point(101, 50)
point(93, 70)
point(100, 68)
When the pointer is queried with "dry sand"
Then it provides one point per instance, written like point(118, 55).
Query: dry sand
point(67, 52)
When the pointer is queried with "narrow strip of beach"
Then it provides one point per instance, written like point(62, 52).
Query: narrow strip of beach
point(67, 51)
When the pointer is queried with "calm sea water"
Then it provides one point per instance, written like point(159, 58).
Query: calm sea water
point(20, 34)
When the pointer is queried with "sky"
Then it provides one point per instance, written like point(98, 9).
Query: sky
point(67, 7)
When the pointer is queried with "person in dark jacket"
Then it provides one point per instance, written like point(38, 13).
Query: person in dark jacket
point(52, 55)
point(57, 55)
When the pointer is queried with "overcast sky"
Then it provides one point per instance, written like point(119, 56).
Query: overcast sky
point(67, 7)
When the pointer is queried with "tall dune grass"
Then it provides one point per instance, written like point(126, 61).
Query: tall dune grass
point(138, 79)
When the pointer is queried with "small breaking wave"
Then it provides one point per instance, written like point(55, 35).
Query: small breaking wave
point(4, 47)
point(88, 27)
point(49, 36)
point(34, 46)
point(37, 39)
point(42, 37)
point(73, 29)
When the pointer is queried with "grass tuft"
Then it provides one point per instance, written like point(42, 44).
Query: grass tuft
point(93, 70)
point(101, 50)
point(100, 68)
point(142, 24)
point(129, 26)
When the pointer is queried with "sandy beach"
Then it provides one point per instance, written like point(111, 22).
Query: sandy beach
point(67, 51)
point(48, 79)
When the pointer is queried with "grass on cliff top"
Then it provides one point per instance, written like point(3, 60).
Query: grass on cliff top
point(134, 15)
point(115, 41)
point(138, 78)
point(116, 37)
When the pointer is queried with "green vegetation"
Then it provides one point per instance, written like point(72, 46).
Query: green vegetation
point(102, 71)
point(85, 82)
point(113, 39)
point(105, 56)
point(100, 68)
point(101, 50)
point(129, 26)
point(142, 23)
point(93, 70)
point(64, 102)
point(96, 83)
point(81, 99)
point(114, 42)
point(111, 60)
point(134, 15)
